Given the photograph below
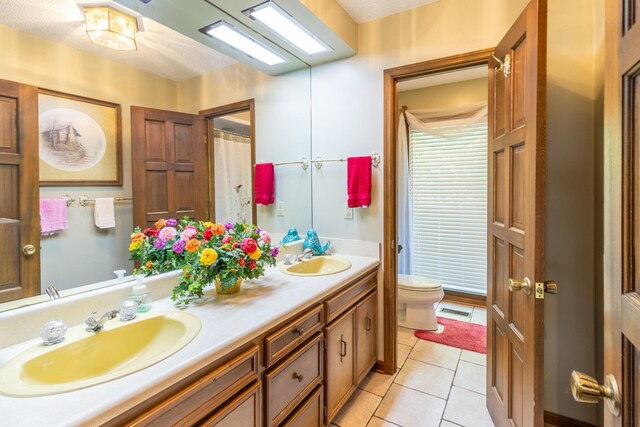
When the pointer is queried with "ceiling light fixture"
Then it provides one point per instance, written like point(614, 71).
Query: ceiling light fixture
point(230, 35)
point(111, 28)
point(279, 21)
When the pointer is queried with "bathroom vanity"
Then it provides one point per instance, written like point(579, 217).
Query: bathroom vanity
point(284, 351)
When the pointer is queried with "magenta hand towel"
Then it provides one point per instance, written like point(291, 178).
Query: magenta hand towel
point(264, 185)
point(53, 216)
point(359, 181)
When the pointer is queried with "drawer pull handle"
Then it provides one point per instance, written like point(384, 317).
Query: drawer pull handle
point(298, 377)
point(300, 332)
point(367, 324)
point(343, 348)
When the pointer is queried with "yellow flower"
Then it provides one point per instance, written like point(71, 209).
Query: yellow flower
point(134, 245)
point(256, 254)
point(207, 224)
point(149, 264)
point(208, 256)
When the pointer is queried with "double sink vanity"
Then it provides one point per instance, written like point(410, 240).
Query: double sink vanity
point(288, 349)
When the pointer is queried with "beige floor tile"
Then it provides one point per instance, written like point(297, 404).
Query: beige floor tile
point(410, 408)
point(403, 353)
point(436, 354)
point(473, 357)
point(455, 306)
point(471, 377)
point(467, 409)
point(427, 378)
point(479, 316)
point(358, 409)
point(379, 422)
point(377, 383)
point(406, 336)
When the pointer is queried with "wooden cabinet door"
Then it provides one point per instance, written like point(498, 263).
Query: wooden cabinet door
point(515, 317)
point(169, 158)
point(339, 362)
point(19, 210)
point(366, 321)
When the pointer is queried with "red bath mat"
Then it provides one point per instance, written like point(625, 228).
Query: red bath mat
point(464, 335)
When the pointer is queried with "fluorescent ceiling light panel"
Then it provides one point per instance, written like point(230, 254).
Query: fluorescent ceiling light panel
point(230, 35)
point(279, 21)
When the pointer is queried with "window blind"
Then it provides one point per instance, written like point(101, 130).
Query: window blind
point(448, 187)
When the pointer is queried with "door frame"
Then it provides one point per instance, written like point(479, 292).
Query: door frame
point(389, 255)
point(224, 110)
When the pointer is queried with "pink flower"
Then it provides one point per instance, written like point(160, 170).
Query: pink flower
point(249, 246)
point(188, 233)
point(168, 233)
point(226, 240)
point(265, 236)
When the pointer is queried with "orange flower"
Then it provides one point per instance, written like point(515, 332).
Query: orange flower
point(160, 224)
point(192, 245)
point(149, 264)
point(217, 229)
point(137, 237)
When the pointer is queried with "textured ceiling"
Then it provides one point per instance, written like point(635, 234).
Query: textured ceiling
point(448, 77)
point(370, 10)
point(161, 51)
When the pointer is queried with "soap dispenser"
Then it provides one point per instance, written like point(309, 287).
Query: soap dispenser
point(140, 294)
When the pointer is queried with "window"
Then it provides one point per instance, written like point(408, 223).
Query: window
point(448, 186)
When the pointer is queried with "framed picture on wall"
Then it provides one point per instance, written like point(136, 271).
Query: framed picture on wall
point(80, 140)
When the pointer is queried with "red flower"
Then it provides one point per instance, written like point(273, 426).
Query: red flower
point(252, 265)
point(150, 232)
point(207, 235)
point(235, 245)
point(241, 262)
point(226, 240)
point(249, 246)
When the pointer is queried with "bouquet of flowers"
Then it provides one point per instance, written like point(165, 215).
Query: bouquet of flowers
point(205, 252)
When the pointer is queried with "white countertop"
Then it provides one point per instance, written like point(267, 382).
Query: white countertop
point(228, 322)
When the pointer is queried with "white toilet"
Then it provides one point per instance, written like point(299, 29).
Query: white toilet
point(419, 295)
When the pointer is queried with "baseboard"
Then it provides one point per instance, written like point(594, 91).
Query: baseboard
point(379, 367)
point(465, 298)
point(551, 419)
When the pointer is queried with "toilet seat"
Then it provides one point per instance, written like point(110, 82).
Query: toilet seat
point(418, 284)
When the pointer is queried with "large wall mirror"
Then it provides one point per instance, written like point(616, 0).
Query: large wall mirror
point(48, 48)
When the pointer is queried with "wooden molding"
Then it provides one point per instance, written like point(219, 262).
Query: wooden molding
point(465, 298)
point(389, 251)
point(223, 110)
point(551, 419)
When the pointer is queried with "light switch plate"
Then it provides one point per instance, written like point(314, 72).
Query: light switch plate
point(348, 212)
point(280, 208)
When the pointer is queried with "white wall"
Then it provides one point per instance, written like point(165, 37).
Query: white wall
point(347, 119)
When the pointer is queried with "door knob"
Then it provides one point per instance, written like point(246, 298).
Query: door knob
point(587, 390)
point(29, 250)
point(525, 286)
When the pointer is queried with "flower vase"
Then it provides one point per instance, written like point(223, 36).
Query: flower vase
point(229, 290)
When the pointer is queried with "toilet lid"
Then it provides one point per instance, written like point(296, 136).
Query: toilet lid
point(417, 283)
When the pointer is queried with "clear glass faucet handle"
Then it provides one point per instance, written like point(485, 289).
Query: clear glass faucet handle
point(53, 332)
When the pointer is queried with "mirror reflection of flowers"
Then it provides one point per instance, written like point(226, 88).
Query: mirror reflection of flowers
point(204, 251)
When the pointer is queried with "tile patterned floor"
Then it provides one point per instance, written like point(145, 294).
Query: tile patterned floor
point(436, 385)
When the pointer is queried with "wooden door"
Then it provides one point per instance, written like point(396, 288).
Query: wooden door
point(366, 321)
point(169, 163)
point(339, 362)
point(516, 222)
point(19, 210)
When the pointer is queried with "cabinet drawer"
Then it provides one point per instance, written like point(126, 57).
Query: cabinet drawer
point(203, 396)
point(309, 413)
point(335, 306)
point(280, 343)
point(243, 411)
point(292, 380)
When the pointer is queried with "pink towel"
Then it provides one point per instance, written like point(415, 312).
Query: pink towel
point(359, 181)
point(264, 184)
point(53, 216)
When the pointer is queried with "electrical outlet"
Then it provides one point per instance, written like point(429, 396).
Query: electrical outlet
point(280, 208)
point(348, 212)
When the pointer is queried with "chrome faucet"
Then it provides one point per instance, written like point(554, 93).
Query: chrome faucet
point(306, 254)
point(52, 292)
point(96, 325)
